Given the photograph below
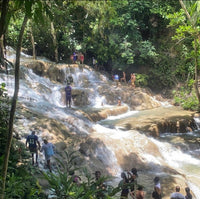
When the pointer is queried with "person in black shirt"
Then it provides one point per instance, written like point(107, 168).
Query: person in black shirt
point(33, 144)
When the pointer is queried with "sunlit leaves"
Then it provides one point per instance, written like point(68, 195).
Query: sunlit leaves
point(147, 50)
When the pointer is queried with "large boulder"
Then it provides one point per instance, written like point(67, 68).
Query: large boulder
point(56, 74)
point(161, 120)
point(39, 67)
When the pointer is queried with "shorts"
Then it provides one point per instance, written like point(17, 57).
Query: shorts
point(47, 157)
point(68, 99)
point(33, 149)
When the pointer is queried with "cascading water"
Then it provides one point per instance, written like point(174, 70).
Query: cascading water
point(120, 147)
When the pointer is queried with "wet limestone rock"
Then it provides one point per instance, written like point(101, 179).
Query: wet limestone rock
point(161, 120)
point(56, 74)
point(102, 114)
point(39, 67)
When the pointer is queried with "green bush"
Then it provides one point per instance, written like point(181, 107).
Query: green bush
point(141, 80)
point(186, 99)
point(62, 185)
point(20, 181)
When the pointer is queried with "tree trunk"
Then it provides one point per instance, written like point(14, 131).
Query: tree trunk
point(33, 42)
point(13, 107)
point(196, 73)
point(3, 28)
point(55, 45)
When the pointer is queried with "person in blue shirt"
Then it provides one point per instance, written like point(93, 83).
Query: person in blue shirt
point(33, 144)
point(177, 194)
point(48, 149)
point(116, 79)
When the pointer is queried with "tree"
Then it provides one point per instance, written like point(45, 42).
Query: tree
point(26, 7)
point(13, 107)
point(3, 28)
point(194, 20)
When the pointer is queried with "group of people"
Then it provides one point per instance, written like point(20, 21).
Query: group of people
point(33, 144)
point(178, 195)
point(129, 184)
point(175, 195)
point(77, 56)
point(116, 79)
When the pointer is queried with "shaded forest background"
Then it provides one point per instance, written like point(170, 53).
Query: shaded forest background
point(130, 36)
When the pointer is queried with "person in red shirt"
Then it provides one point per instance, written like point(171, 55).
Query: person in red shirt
point(82, 58)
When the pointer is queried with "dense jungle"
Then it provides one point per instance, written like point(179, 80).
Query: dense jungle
point(111, 127)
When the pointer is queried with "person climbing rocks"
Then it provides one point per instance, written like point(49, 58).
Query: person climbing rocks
point(100, 186)
point(69, 79)
point(48, 149)
point(132, 176)
point(157, 188)
point(68, 94)
point(33, 144)
point(123, 184)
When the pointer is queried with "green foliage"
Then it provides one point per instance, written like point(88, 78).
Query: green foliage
point(4, 116)
point(185, 98)
point(141, 80)
point(147, 52)
point(121, 35)
point(22, 186)
point(63, 186)
point(20, 182)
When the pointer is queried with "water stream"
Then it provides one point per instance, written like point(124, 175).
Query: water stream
point(121, 148)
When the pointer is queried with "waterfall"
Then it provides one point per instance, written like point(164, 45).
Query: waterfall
point(119, 149)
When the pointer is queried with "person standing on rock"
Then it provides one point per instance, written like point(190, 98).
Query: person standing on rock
point(132, 80)
point(75, 56)
point(116, 79)
point(33, 144)
point(68, 93)
point(81, 58)
point(124, 77)
point(48, 149)
point(94, 63)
